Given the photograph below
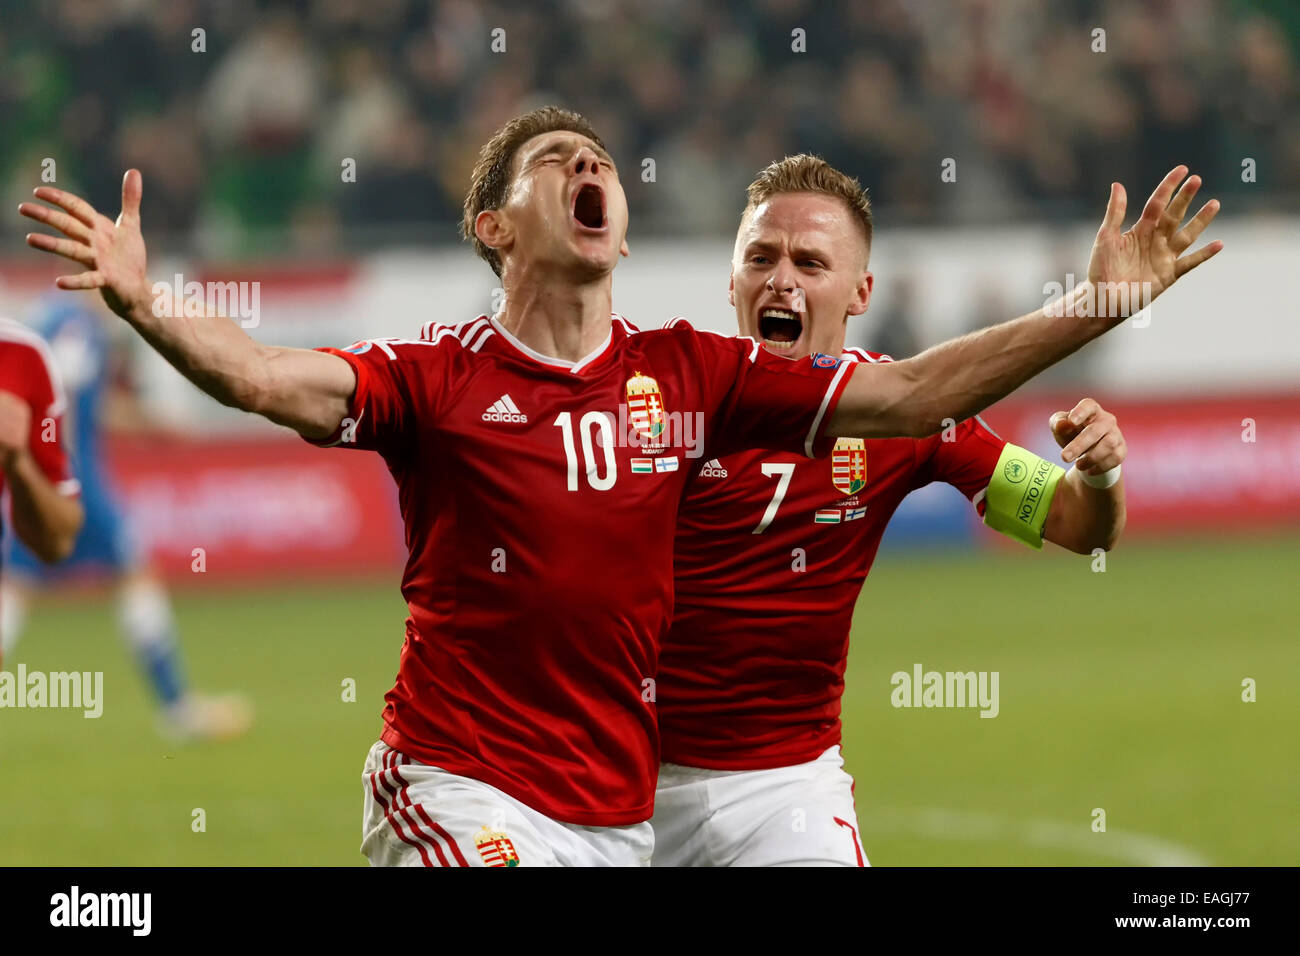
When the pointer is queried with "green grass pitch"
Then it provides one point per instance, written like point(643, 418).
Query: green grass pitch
point(1118, 690)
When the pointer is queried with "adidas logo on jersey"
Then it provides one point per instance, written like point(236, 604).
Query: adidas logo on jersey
point(713, 469)
point(504, 409)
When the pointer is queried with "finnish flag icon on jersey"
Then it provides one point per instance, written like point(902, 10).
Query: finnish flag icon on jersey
point(666, 464)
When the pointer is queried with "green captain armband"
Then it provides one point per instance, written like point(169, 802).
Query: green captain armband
point(1020, 494)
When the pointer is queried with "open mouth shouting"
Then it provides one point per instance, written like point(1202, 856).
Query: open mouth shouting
point(780, 329)
point(588, 208)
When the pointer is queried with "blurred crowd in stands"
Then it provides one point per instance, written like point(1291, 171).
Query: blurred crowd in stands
point(242, 144)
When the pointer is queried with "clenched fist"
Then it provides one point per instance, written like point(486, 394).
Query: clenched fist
point(15, 427)
point(1090, 437)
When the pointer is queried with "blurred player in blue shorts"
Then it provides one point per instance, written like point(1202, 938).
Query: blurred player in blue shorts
point(83, 355)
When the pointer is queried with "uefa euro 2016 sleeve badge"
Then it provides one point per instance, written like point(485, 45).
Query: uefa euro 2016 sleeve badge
point(849, 465)
point(645, 410)
point(822, 360)
point(495, 848)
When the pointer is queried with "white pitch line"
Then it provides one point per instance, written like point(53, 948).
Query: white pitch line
point(1130, 846)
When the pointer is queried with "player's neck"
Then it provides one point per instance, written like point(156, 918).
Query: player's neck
point(834, 347)
point(557, 318)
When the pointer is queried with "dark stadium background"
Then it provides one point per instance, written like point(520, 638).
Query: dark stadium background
point(1121, 688)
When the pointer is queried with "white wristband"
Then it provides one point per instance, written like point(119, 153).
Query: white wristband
point(1104, 480)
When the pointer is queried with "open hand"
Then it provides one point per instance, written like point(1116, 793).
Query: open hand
point(1149, 258)
point(112, 252)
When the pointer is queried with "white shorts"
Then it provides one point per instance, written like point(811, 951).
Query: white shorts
point(789, 816)
point(418, 815)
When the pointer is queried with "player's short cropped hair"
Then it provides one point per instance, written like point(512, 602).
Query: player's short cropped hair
point(805, 173)
point(494, 172)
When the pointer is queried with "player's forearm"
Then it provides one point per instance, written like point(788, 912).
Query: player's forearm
point(213, 352)
point(45, 521)
point(914, 398)
point(305, 390)
point(1083, 518)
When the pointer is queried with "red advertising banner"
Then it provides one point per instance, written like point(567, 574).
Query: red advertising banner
point(258, 509)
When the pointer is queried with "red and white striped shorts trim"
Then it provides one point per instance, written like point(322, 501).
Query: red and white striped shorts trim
point(410, 821)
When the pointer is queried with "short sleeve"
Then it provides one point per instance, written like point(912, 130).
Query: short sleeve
point(45, 397)
point(397, 384)
point(766, 401)
point(964, 458)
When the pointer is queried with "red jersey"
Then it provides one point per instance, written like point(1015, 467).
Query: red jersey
point(540, 499)
point(27, 370)
point(771, 554)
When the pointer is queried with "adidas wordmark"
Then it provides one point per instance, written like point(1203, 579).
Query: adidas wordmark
point(504, 409)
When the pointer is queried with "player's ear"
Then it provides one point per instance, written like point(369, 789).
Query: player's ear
point(623, 249)
point(493, 229)
point(862, 294)
point(731, 288)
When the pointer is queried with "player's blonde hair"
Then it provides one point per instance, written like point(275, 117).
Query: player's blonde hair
point(805, 173)
point(494, 172)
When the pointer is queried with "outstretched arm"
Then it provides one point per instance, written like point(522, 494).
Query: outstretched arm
point(960, 378)
point(305, 390)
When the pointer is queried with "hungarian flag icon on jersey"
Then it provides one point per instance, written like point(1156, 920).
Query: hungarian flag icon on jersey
point(849, 465)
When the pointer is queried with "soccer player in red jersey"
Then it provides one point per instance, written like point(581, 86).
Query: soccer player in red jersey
point(540, 455)
point(772, 551)
point(33, 464)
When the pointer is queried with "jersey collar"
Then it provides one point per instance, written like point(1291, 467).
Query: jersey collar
point(619, 329)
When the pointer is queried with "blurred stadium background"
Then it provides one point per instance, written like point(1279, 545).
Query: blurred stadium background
point(1121, 689)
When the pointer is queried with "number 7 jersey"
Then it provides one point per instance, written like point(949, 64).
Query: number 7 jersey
point(540, 501)
point(772, 552)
